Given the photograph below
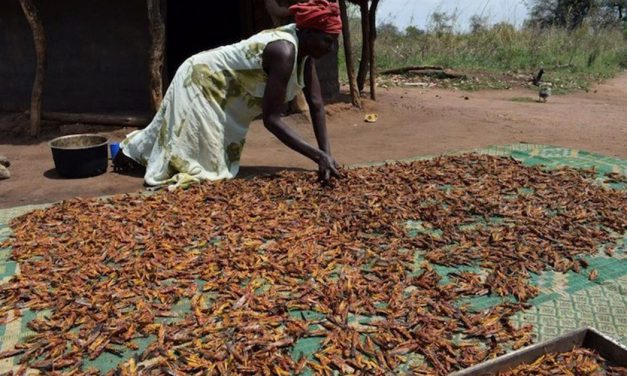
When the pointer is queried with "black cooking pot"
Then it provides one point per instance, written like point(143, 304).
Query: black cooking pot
point(80, 155)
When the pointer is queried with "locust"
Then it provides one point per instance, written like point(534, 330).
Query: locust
point(266, 264)
point(580, 361)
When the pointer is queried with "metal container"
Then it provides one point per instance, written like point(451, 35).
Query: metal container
point(80, 155)
point(589, 338)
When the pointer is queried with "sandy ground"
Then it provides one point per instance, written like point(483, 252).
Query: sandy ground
point(411, 122)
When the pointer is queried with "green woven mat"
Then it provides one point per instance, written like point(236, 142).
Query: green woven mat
point(567, 300)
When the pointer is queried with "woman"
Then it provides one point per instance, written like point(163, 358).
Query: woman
point(200, 129)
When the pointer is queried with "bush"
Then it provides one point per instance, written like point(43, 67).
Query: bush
point(572, 57)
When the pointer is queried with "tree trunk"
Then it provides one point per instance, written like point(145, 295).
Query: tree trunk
point(373, 36)
point(157, 52)
point(39, 38)
point(365, 46)
point(348, 51)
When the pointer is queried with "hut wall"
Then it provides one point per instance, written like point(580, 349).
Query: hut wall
point(17, 54)
point(98, 52)
point(97, 56)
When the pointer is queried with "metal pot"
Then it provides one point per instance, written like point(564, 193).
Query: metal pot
point(80, 155)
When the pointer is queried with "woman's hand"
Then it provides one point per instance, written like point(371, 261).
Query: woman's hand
point(327, 167)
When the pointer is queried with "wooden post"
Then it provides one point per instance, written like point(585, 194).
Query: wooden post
point(157, 52)
point(348, 51)
point(373, 37)
point(39, 37)
point(365, 46)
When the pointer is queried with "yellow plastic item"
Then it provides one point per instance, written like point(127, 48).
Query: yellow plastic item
point(371, 118)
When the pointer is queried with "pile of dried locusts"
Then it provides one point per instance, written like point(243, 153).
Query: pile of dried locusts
point(581, 362)
point(256, 258)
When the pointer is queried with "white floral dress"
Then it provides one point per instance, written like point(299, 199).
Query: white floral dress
point(200, 129)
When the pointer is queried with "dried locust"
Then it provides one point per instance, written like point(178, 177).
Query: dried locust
point(267, 262)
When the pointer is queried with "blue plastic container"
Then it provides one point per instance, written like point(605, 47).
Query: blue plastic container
point(114, 147)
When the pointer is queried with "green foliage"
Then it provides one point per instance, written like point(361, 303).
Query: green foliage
point(442, 23)
point(412, 31)
point(562, 13)
point(388, 29)
point(478, 23)
point(572, 58)
point(573, 13)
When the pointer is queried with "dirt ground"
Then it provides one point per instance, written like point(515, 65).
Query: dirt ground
point(412, 122)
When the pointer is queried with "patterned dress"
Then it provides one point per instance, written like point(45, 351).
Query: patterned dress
point(200, 129)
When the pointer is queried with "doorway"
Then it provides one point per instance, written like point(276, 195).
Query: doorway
point(193, 26)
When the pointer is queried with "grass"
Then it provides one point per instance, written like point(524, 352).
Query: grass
point(502, 56)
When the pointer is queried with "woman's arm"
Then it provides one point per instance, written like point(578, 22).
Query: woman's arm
point(278, 58)
point(278, 62)
point(313, 95)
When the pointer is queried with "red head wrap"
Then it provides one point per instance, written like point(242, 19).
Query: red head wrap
point(318, 14)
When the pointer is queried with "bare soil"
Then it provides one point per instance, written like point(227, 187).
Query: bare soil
point(412, 121)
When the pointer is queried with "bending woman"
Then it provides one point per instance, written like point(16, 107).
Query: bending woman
point(200, 129)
